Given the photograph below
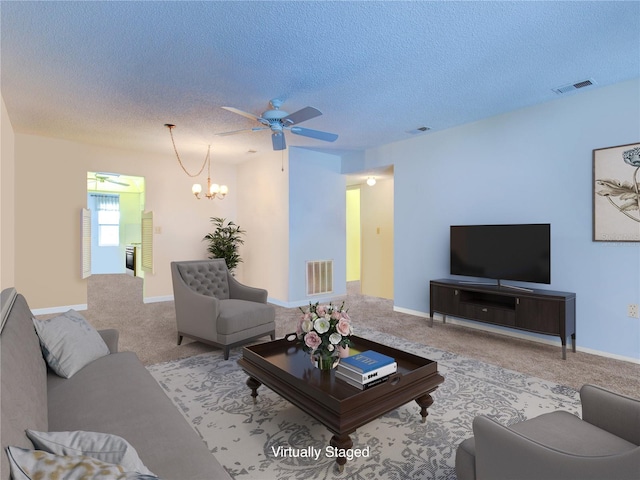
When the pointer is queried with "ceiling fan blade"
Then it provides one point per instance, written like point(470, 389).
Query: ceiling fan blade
point(302, 115)
point(277, 138)
point(307, 132)
point(244, 114)
point(234, 132)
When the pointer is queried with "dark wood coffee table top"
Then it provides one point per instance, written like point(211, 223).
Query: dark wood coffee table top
point(286, 369)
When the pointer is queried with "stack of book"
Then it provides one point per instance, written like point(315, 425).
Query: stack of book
point(366, 369)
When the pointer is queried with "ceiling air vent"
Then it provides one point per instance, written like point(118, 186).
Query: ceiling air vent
point(574, 86)
point(419, 130)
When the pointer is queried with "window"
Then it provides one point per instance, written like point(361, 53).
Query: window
point(108, 207)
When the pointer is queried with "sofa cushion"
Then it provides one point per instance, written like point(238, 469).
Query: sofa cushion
point(69, 342)
point(238, 315)
point(566, 432)
point(101, 446)
point(116, 394)
point(37, 464)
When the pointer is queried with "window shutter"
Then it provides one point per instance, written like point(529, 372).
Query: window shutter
point(85, 221)
point(147, 242)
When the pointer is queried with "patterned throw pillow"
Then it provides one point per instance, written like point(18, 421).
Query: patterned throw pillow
point(69, 342)
point(36, 464)
point(101, 446)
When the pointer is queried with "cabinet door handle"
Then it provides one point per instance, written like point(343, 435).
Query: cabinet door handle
point(517, 301)
point(485, 310)
point(456, 292)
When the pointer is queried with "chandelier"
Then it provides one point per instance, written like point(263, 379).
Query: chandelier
point(213, 189)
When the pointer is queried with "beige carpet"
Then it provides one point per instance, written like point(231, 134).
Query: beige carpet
point(115, 301)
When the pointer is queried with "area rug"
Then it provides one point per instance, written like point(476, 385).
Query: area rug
point(245, 437)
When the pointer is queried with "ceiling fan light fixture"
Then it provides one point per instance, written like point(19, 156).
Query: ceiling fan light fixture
point(278, 120)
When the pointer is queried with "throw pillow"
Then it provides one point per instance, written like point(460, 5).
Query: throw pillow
point(101, 446)
point(69, 342)
point(36, 464)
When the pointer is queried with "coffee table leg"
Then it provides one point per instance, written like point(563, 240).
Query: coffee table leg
point(253, 384)
point(425, 402)
point(342, 442)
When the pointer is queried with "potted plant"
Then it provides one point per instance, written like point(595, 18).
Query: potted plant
point(323, 331)
point(224, 242)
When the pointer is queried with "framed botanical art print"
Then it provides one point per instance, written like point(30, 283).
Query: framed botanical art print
point(616, 194)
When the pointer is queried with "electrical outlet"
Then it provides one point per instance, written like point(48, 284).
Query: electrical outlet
point(632, 310)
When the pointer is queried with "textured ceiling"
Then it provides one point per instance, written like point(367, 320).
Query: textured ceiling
point(113, 73)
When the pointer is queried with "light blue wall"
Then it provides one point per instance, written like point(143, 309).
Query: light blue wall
point(317, 219)
point(531, 165)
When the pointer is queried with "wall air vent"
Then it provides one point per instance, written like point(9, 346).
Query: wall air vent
point(574, 86)
point(319, 277)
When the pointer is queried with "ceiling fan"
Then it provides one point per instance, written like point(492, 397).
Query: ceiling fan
point(107, 177)
point(278, 121)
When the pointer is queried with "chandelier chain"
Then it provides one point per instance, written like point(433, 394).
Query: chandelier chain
point(180, 160)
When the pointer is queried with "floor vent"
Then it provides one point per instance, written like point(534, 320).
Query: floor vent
point(319, 277)
point(574, 86)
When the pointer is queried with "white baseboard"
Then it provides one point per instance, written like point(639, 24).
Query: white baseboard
point(162, 298)
point(300, 303)
point(408, 311)
point(515, 334)
point(62, 309)
point(305, 303)
point(609, 355)
point(83, 306)
point(279, 303)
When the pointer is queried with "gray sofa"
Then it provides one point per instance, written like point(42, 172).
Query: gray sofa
point(604, 444)
point(114, 394)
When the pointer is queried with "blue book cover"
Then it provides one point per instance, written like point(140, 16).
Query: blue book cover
point(367, 361)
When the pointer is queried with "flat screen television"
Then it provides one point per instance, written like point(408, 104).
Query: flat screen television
point(502, 252)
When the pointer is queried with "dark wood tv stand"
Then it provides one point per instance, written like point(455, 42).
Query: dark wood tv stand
point(541, 311)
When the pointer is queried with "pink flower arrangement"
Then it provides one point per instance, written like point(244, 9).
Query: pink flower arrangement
point(324, 329)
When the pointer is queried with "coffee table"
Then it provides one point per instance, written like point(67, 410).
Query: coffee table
point(286, 369)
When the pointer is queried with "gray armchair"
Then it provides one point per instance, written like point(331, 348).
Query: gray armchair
point(558, 445)
point(214, 308)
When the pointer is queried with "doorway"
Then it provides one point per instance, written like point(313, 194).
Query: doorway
point(370, 232)
point(116, 203)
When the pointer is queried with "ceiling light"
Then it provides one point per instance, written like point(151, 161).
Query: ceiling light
point(371, 181)
point(213, 189)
